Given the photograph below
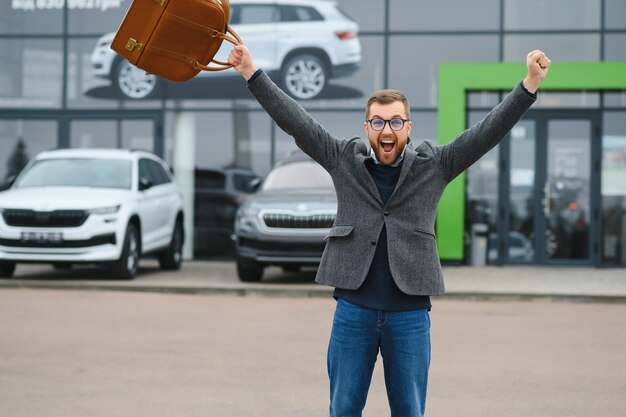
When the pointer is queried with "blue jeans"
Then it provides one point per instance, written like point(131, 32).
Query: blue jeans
point(403, 338)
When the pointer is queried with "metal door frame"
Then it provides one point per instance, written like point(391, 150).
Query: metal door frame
point(541, 119)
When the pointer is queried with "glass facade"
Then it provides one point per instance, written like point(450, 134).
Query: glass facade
point(59, 87)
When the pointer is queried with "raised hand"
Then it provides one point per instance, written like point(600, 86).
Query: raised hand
point(537, 63)
point(241, 60)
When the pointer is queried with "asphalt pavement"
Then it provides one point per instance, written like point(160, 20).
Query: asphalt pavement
point(66, 353)
point(220, 277)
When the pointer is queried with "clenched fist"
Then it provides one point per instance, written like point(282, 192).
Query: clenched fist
point(537, 63)
point(241, 60)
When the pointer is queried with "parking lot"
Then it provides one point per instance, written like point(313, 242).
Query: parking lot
point(98, 353)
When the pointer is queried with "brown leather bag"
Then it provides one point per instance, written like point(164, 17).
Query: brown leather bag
point(175, 39)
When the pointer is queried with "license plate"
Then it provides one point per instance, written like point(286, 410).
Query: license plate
point(42, 237)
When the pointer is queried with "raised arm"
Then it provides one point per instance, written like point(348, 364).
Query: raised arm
point(309, 134)
point(472, 144)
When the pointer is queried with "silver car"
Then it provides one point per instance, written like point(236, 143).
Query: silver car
point(286, 221)
point(300, 43)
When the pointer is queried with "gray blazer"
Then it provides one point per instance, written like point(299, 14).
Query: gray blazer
point(410, 211)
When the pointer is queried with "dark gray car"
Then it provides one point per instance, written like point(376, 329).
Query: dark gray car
point(286, 221)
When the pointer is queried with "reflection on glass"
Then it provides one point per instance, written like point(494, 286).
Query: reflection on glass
point(522, 193)
point(614, 188)
point(21, 140)
point(482, 193)
point(566, 191)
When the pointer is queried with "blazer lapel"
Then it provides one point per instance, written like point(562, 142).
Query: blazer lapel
point(365, 176)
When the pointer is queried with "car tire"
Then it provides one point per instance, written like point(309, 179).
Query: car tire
point(249, 271)
point(127, 265)
point(304, 77)
point(172, 258)
point(134, 83)
point(7, 269)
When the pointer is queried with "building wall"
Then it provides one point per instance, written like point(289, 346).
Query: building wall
point(49, 96)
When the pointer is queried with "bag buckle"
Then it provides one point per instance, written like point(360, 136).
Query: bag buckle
point(132, 44)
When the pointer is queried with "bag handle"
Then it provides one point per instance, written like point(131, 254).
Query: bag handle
point(235, 40)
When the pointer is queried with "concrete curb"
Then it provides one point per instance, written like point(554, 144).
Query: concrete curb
point(286, 291)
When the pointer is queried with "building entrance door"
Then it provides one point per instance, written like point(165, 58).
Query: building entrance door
point(551, 189)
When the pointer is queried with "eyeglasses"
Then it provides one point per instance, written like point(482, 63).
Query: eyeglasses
point(379, 124)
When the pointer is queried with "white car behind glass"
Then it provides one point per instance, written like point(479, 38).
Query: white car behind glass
point(301, 44)
point(92, 206)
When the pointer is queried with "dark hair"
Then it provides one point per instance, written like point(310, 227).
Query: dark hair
point(387, 97)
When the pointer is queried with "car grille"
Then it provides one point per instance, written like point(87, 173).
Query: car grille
point(290, 221)
point(57, 218)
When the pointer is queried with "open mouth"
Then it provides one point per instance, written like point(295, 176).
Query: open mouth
point(387, 145)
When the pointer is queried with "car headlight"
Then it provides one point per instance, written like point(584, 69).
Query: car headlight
point(105, 210)
point(246, 215)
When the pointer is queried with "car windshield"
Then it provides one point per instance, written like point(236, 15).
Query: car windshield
point(72, 172)
point(301, 174)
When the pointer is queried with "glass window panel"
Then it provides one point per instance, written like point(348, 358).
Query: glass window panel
point(615, 99)
point(424, 127)
point(560, 48)
point(31, 71)
point(482, 191)
point(370, 18)
point(551, 14)
point(21, 140)
point(416, 73)
point(93, 17)
point(522, 193)
point(444, 15)
point(94, 134)
point(31, 17)
point(342, 125)
point(548, 99)
point(568, 189)
point(615, 46)
point(479, 99)
point(224, 140)
point(137, 134)
point(614, 188)
point(615, 14)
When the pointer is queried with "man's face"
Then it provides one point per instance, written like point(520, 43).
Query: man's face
point(388, 144)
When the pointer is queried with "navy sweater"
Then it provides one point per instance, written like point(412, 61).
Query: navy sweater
point(379, 291)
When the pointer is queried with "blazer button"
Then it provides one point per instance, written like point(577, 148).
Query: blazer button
point(386, 213)
point(373, 242)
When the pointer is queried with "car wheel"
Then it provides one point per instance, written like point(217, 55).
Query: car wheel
point(291, 268)
point(135, 83)
point(172, 257)
point(304, 76)
point(127, 265)
point(249, 271)
point(7, 269)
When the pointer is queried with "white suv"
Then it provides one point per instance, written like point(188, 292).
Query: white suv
point(300, 43)
point(92, 206)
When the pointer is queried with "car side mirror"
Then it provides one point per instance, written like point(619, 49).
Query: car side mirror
point(255, 184)
point(144, 184)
